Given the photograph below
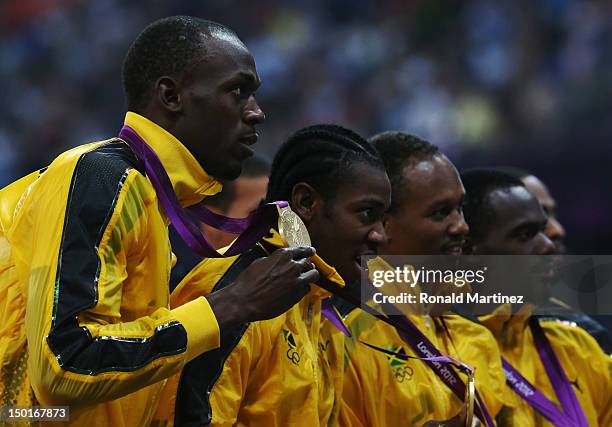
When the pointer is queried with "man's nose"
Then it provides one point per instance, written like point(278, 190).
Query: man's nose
point(546, 246)
point(377, 235)
point(458, 226)
point(253, 114)
point(554, 229)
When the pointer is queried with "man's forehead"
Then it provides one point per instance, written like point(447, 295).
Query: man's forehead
point(229, 56)
point(511, 196)
point(223, 38)
point(368, 195)
point(423, 177)
point(515, 204)
point(368, 185)
point(539, 189)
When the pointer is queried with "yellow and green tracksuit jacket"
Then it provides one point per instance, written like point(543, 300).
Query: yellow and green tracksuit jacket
point(84, 267)
point(383, 390)
point(286, 371)
point(587, 367)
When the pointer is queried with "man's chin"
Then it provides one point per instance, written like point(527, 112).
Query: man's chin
point(234, 173)
point(227, 173)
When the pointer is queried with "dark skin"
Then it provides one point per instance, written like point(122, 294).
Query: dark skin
point(518, 228)
point(427, 219)
point(266, 289)
point(554, 229)
point(212, 110)
point(351, 224)
point(348, 229)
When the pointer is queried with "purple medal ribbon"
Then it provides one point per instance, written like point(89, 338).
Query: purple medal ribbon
point(422, 346)
point(251, 228)
point(332, 315)
point(534, 397)
point(573, 414)
point(556, 374)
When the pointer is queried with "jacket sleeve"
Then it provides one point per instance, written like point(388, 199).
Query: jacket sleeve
point(86, 342)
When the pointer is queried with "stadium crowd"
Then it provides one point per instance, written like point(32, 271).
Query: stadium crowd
point(490, 82)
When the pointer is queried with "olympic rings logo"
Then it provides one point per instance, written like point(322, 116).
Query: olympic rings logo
point(294, 356)
point(403, 373)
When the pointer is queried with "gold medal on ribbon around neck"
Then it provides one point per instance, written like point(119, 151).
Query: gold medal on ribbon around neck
point(292, 228)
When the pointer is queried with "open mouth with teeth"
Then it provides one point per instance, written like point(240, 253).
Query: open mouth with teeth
point(453, 250)
point(249, 139)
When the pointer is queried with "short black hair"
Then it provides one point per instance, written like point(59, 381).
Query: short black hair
point(397, 149)
point(321, 156)
point(514, 171)
point(167, 47)
point(479, 183)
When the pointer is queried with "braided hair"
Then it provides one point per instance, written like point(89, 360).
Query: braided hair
point(321, 156)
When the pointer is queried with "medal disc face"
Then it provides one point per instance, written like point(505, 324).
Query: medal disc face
point(292, 228)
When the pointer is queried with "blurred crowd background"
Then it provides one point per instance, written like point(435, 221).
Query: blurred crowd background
point(506, 83)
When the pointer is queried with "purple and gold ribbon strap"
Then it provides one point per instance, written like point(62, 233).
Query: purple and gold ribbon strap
point(251, 228)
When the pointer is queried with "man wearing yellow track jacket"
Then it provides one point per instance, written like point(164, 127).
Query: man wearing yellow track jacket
point(287, 371)
point(425, 218)
point(84, 251)
point(281, 370)
point(381, 390)
point(515, 225)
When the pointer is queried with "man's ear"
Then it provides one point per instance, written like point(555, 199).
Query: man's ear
point(169, 93)
point(305, 201)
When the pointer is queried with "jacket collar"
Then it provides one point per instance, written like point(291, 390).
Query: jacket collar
point(417, 309)
point(507, 327)
point(189, 180)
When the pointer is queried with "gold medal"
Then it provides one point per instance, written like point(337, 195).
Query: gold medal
point(470, 392)
point(292, 228)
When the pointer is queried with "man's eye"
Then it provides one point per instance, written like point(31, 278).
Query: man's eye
point(526, 234)
point(440, 214)
point(370, 215)
point(241, 92)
